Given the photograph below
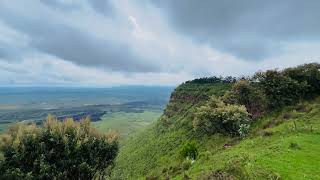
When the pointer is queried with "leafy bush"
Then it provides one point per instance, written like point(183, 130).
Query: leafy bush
point(244, 93)
point(189, 150)
point(58, 150)
point(309, 73)
point(218, 117)
point(280, 89)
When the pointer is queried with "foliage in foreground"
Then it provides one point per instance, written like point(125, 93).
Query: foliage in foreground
point(58, 150)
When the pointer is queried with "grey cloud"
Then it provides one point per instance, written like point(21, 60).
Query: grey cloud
point(9, 52)
point(49, 35)
point(102, 6)
point(250, 29)
point(4, 52)
point(78, 47)
point(13, 70)
point(60, 5)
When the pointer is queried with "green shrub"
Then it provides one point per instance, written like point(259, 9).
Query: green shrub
point(309, 73)
point(58, 150)
point(281, 90)
point(218, 117)
point(245, 93)
point(189, 150)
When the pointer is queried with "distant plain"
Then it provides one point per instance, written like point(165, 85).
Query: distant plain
point(124, 109)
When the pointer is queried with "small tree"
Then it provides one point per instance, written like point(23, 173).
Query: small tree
point(218, 117)
point(280, 89)
point(58, 150)
point(309, 73)
point(245, 93)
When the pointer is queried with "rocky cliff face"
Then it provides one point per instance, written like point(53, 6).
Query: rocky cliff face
point(189, 95)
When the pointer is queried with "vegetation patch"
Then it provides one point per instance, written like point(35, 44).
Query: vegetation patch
point(58, 150)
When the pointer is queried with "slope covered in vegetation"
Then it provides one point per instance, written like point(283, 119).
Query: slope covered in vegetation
point(263, 127)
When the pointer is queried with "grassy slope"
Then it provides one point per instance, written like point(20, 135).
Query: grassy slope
point(153, 149)
point(286, 150)
point(283, 144)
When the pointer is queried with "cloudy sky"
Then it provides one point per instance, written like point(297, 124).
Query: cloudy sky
point(151, 42)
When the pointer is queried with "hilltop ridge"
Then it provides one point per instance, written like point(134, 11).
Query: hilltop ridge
point(281, 141)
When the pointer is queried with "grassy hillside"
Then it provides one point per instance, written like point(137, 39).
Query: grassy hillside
point(155, 149)
point(284, 143)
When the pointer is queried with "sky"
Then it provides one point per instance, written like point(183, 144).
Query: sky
point(151, 42)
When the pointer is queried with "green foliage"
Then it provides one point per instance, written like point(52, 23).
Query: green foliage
point(245, 93)
point(189, 150)
point(59, 150)
point(213, 80)
point(218, 117)
point(280, 89)
point(309, 73)
point(184, 100)
point(286, 154)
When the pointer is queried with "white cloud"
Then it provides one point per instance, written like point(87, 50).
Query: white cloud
point(40, 69)
point(151, 51)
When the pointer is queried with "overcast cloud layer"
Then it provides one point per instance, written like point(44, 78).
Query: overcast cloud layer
point(112, 42)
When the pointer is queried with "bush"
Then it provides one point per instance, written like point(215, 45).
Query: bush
point(245, 93)
point(58, 150)
point(189, 150)
point(281, 90)
point(218, 117)
point(309, 73)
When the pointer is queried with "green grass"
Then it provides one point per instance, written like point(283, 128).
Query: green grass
point(126, 123)
point(288, 149)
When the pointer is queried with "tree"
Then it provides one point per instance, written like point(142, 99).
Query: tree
point(309, 73)
point(218, 117)
point(58, 150)
point(245, 93)
point(280, 89)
